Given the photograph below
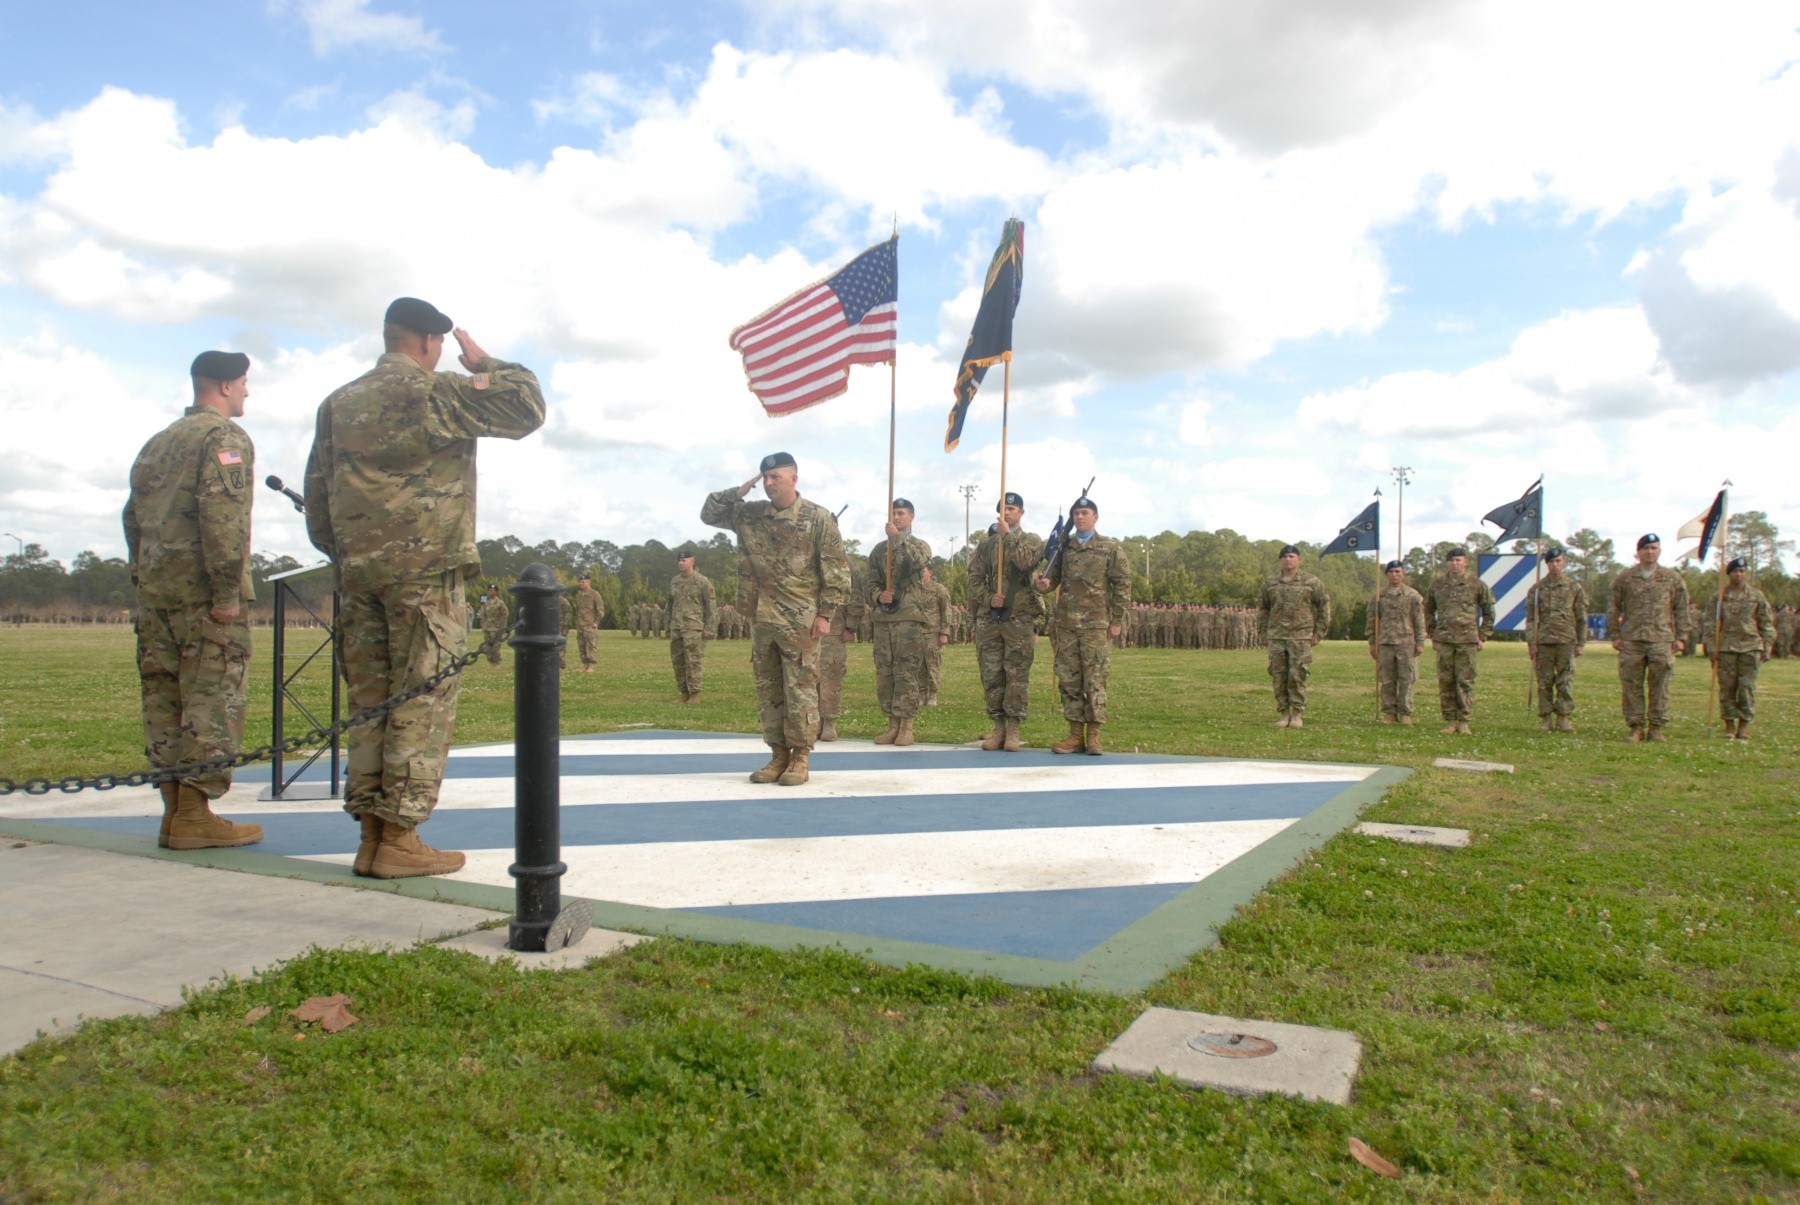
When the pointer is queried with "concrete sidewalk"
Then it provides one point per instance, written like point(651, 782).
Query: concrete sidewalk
point(90, 933)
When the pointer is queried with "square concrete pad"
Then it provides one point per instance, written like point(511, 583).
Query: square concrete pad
point(1310, 1063)
point(1472, 767)
point(491, 945)
point(1417, 834)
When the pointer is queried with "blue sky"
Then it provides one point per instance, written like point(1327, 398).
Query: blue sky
point(1270, 251)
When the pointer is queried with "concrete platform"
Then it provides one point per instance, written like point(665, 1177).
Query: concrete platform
point(1246, 1058)
point(491, 945)
point(1472, 767)
point(1417, 834)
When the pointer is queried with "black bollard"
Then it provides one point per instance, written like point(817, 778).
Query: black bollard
point(537, 768)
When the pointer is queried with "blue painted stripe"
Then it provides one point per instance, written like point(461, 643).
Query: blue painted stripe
point(1057, 925)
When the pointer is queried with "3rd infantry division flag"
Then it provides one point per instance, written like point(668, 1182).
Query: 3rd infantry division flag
point(991, 339)
point(1361, 534)
point(1705, 527)
point(798, 352)
point(1521, 520)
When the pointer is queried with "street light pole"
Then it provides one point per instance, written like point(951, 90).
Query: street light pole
point(1402, 478)
point(968, 493)
point(9, 535)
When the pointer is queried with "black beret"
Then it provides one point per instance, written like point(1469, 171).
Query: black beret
point(1737, 562)
point(220, 365)
point(686, 554)
point(1553, 553)
point(586, 578)
point(1400, 565)
point(1012, 499)
point(903, 504)
point(1286, 549)
point(777, 460)
point(420, 316)
point(1649, 537)
point(1457, 552)
point(1083, 502)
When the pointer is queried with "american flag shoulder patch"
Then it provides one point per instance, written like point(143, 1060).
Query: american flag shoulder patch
point(479, 380)
point(231, 456)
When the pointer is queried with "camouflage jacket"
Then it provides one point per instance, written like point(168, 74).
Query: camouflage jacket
point(390, 484)
point(912, 556)
point(1459, 610)
point(1096, 583)
point(187, 522)
point(1748, 625)
point(1294, 608)
point(590, 608)
point(565, 614)
point(1556, 613)
point(494, 614)
point(691, 603)
point(1397, 617)
point(1651, 608)
point(794, 557)
point(937, 609)
point(1023, 552)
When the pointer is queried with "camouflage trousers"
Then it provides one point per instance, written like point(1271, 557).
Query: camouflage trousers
point(900, 668)
point(1456, 679)
point(834, 659)
point(194, 672)
point(785, 663)
point(1288, 662)
point(1646, 668)
point(1004, 650)
point(1737, 685)
point(687, 653)
point(1555, 670)
point(589, 640)
point(388, 640)
point(1083, 658)
point(934, 668)
point(1396, 673)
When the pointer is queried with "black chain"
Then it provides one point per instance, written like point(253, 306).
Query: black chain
point(310, 740)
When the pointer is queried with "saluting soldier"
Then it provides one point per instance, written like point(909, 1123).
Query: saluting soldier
point(691, 603)
point(1006, 620)
point(941, 618)
point(187, 534)
point(588, 609)
point(1095, 581)
point(1555, 634)
point(390, 498)
point(1296, 613)
point(1648, 620)
point(796, 561)
point(1745, 628)
point(494, 614)
point(901, 624)
point(1396, 640)
point(1459, 617)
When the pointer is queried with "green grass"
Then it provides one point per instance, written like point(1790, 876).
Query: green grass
point(1599, 1000)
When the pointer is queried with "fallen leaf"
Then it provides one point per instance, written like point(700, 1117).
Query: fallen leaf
point(1359, 1151)
point(891, 1015)
point(257, 1014)
point(1602, 1027)
point(331, 1012)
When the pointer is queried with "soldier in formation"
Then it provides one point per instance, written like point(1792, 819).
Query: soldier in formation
point(1647, 617)
point(187, 536)
point(940, 610)
point(1459, 617)
point(1555, 634)
point(1396, 641)
point(1093, 583)
point(1745, 628)
point(588, 610)
point(1295, 611)
point(691, 619)
point(800, 575)
point(494, 615)
point(1006, 608)
point(834, 660)
point(390, 498)
point(899, 599)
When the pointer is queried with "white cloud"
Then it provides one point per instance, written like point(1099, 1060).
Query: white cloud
point(346, 24)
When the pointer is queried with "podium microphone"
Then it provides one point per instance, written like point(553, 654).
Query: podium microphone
point(275, 483)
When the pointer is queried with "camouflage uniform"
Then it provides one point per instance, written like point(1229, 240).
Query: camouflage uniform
point(796, 561)
point(942, 622)
point(691, 617)
point(565, 620)
point(1095, 581)
point(390, 498)
point(590, 609)
point(494, 616)
point(1745, 635)
point(1396, 634)
point(1006, 643)
point(1647, 614)
point(1295, 611)
point(901, 634)
point(1555, 627)
point(187, 532)
point(1459, 617)
point(834, 659)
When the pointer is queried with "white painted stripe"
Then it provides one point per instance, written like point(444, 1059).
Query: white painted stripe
point(712, 874)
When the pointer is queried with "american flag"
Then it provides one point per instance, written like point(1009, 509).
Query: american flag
point(799, 352)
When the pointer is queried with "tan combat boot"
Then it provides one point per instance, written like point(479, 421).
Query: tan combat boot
point(1731, 729)
point(1294, 720)
point(1547, 724)
point(1655, 733)
point(796, 772)
point(371, 837)
point(1092, 746)
point(1406, 720)
point(1009, 737)
point(401, 855)
point(1634, 736)
point(1386, 718)
point(778, 762)
point(997, 737)
point(169, 797)
point(1075, 742)
point(1564, 724)
point(193, 826)
point(1743, 730)
point(893, 731)
point(905, 734)
point(1462, 726)
point(1286, 719)
point(1449, 729)
point(828, 730)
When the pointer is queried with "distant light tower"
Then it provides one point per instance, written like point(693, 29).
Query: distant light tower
point(9, 535)
point(1402, 478)
point(968, 493)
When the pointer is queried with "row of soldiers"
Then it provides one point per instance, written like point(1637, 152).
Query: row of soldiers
point(1191, 626)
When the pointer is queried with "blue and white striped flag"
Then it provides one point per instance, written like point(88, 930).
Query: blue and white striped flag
point(1510, 578)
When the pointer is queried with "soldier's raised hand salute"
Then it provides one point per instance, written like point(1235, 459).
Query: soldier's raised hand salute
point(471, 355)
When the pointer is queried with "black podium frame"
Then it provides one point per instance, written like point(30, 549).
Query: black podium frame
point(283, 681)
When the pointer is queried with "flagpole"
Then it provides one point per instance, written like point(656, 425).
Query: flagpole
point(1712, 691)
point(1005, 410)
point(1537, 579)
point(1380, 587)
point(893, 409)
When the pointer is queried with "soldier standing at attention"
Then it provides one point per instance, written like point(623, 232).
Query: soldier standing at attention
point(187, 532)
point(1746, 638)
point(1648, 620)
point(901, 627)
point(1006, 613)
point(1295, 612)
point(1396, 639)
point(565, 619)
point(692, 614)
point(1555, 634)
point(834, 659)
point(1459, 615)
point(589, 609)
point(494, 614)
point(800, 575)
point(1090, 613)
point(939, 611)
point(390, 498)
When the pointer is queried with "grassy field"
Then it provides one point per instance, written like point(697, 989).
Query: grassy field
point(1599, 1000)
